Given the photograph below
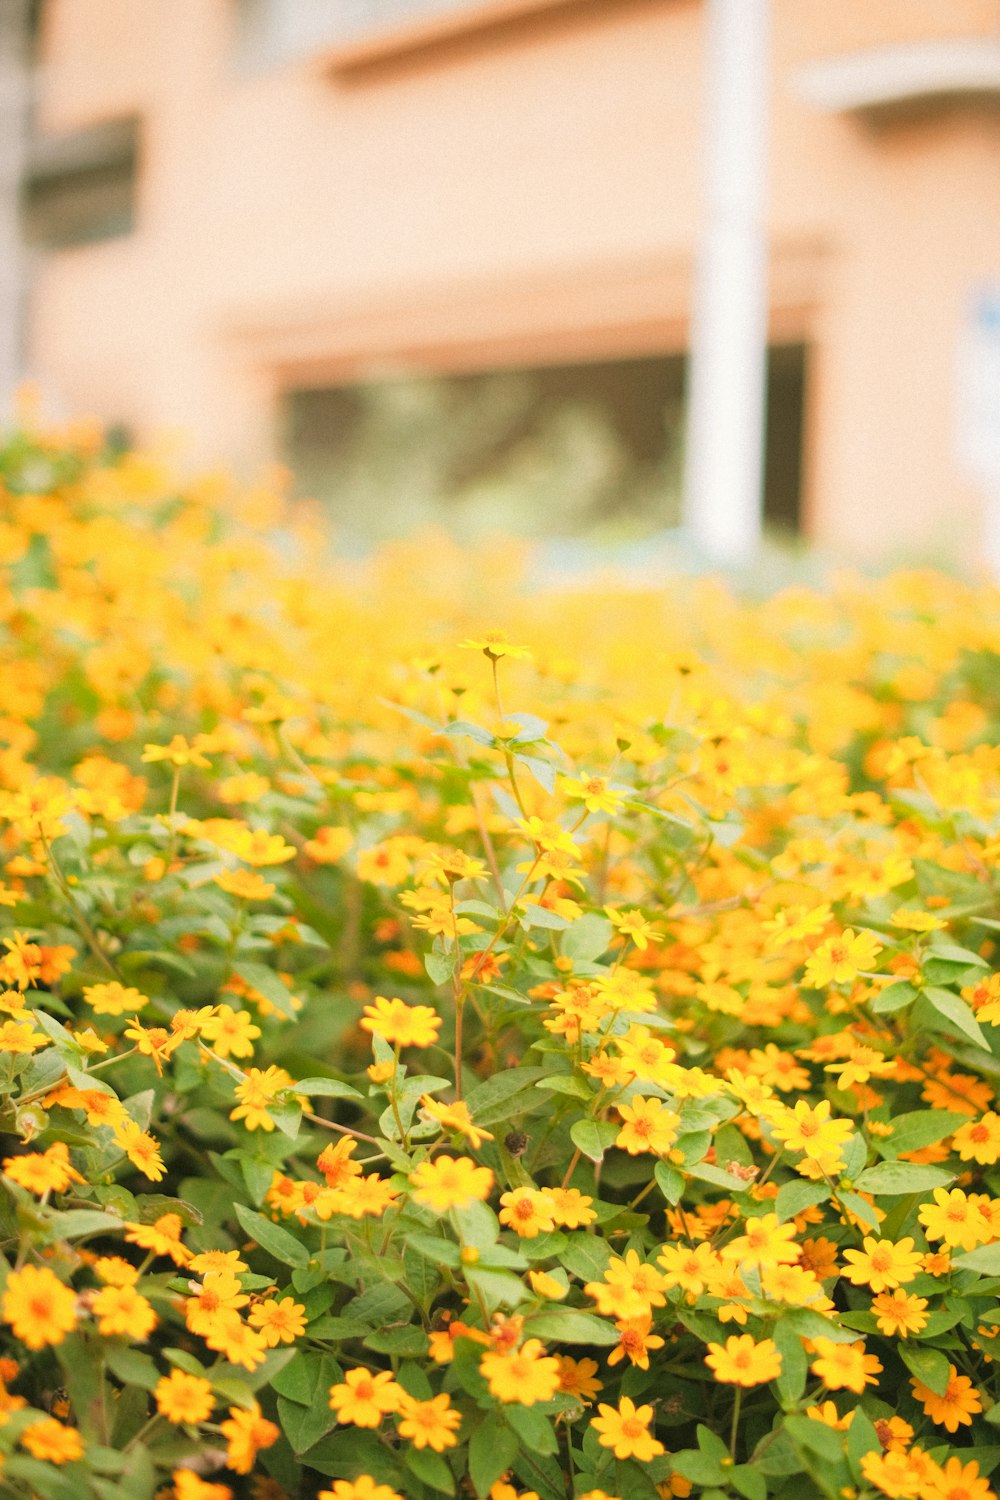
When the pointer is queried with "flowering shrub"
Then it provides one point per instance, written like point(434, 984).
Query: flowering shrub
point(435, 1065)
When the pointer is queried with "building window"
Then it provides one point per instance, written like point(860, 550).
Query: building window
point(81, 188)
point(592, 450)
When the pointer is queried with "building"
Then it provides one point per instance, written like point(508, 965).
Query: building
point(239, 214)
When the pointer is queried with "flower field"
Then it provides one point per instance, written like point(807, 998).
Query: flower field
point(461, 1041)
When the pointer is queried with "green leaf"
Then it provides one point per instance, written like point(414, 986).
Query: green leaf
point(326, 1088)
point(861, 1439)
point(431, 1469)
point(859, 1207)
point(593, 1137)
point(791, 1382)
point(793, 1197)
point(931, 1367)
point(587, 939)
point(491, 1452)
point(957, 1013)
point(895, 997)
point(440, 967)
point(571, 1327)
point(669, 1181)
point(533, 915)
point(889, 1179)
point(985, 1260)
point(260, 977)
point(817, 1437)
point(748, 1482)
point(532, 1427)
point(692, 1464)
point(75, 1223)
point(130, 1366)
point(272, 1238)
point(439, 1252)
point(497, 1099)
point(923, 1127)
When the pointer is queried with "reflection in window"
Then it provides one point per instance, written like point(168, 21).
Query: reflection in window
point(588, 450)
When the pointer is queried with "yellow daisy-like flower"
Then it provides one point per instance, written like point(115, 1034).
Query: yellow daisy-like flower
point(525, 1375)
point(184, 1399)
point(400, 1024)
point(845, 1367)
point(429, 1424)
point(39, 1308)
point(625, 1430)
point(496, 644)
point(52, 1442)
point(956, 1408)
point(744, 1361)
point(881, 1264)
point(363, 1398)
point(527, 1211)
point(450, 1182)
point(649, 1126)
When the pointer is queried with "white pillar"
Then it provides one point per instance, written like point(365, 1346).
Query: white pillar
point(14, 105)
point(724, 452)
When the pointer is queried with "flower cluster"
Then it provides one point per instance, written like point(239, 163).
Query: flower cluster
point(408, 1093)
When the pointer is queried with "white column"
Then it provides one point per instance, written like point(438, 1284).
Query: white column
point(724, 452)
point(14, 104)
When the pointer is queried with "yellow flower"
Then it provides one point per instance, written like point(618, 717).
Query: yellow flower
point(230, 1033)
point(577, 1377)
point(979, 1140)
point(881, 1264)
point(570, 1208)
point(246, 1432)
point(630, 1288)
point(496, 644)
point(400, 1024)
point(455, 1117)
point(450, 1182)
point(120, 1310)
point(362, 1488)
point(51, 1442)
point(839, 960)
point(743, 1361)
point(649, 1126)
point(114, 999)
point(956, 1408)
point(764, 1243)
point(17, 1037)
point(527, 1211)
point(845, 1366)
point(626, 1431)
point(43, 1171)
point(278, 1321)
point(594, 792)
point(141, 1149)
point(39, 1308)
point(184, 1399)
point(526, 1375)
point(955, 1218)
point(635, 1340)
point(364, 1398)
point(248, 885)
point(899, 1313)
point(178, 753)
point(429, 1424)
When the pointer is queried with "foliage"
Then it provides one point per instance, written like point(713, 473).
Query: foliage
point(434, 1066)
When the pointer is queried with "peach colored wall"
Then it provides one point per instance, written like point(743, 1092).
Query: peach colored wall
point(533, 193)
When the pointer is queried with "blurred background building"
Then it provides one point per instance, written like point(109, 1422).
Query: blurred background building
point(439, 255)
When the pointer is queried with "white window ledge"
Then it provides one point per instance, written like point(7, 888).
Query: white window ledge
point(911, 75)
